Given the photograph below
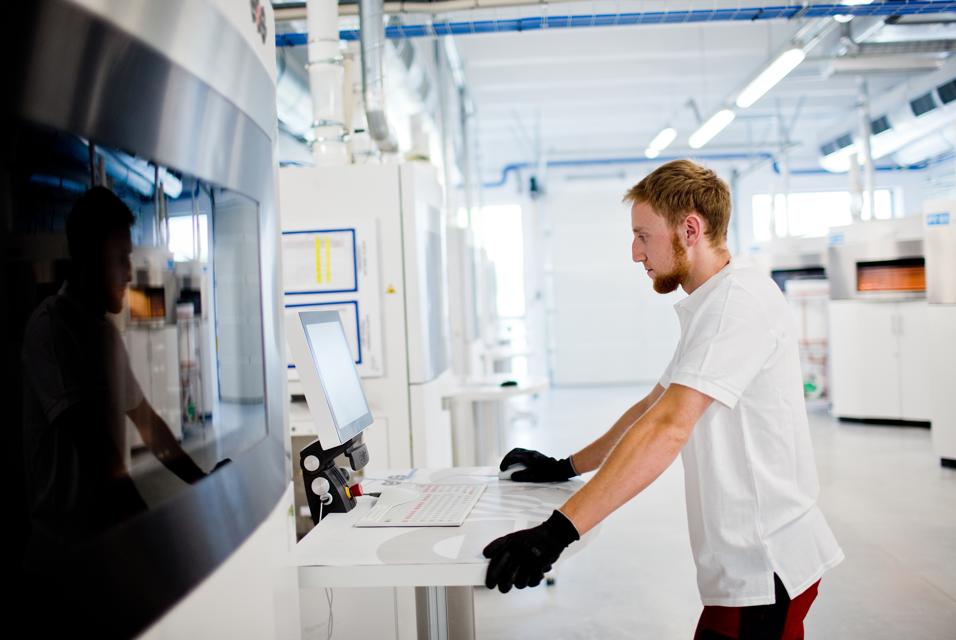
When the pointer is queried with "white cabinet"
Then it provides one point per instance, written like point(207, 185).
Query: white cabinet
point(879, 354)
point(913, 334)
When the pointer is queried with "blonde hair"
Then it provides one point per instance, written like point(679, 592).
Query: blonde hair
point(677, 188)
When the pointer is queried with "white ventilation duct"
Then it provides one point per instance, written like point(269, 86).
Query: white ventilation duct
point(917, 109)
point(372, 41)
point(326, 80)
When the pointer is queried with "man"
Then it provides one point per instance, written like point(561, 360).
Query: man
point(79, 390)
point(731, 400)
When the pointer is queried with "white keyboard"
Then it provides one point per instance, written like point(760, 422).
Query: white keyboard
point(423, 505)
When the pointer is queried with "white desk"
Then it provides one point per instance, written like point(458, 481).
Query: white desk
point(479, 418)
point(443, 563)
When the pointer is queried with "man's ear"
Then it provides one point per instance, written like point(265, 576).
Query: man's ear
point(693, 229)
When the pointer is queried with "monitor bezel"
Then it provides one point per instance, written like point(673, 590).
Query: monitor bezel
point(355, 427)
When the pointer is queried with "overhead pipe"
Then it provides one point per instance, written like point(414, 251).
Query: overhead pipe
point(290, 13)
point(716, 157)
point(863, 111)
point(372, 41)
point(326, 82)
point(680, 16)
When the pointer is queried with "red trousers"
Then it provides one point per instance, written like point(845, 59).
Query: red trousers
point(782, 620)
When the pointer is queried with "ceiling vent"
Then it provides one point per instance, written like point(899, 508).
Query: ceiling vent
point(914, 110)
point(923, 104)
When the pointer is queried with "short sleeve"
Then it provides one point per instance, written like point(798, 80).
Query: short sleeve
point(725, 349)
point(665, 379)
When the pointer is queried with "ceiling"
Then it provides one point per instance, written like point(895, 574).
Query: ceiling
point(604, 92)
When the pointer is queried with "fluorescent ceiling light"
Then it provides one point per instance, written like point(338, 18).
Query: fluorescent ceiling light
point(711, 128)
point(855, 3)
point(663, 139)
point(774, 73)
point(651, 153)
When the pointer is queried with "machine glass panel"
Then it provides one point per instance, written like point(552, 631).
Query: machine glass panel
point(891, 276)
point(136, 309)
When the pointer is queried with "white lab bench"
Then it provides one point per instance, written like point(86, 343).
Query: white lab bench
point(479, 416)
point(444, 564)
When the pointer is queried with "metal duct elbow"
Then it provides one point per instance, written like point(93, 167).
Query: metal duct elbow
point(372, 44)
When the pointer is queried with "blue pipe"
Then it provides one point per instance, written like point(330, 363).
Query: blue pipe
point(762, 155)
point(591, 162)
point(537, 23)
point(58, 182)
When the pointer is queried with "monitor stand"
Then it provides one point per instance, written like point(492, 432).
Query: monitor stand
point(317, 463)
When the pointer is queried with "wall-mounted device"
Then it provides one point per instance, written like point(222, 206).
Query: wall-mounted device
point(333, 389)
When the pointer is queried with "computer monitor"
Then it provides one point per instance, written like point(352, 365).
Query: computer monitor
point(329, 378)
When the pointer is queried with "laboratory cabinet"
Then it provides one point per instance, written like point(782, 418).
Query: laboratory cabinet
point(879, 356)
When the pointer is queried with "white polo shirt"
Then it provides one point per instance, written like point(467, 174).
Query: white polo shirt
point(749, 471)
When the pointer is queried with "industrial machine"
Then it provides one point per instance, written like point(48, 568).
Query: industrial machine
point(798, 266)
point(878, 323)
point(940, 241)
point(368, 241)
point(463, 303)
point(152, 336)
point(106, 97)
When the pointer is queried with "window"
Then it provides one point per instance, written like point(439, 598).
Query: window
point(503, 238)
point(811, 214)
point(182, 238)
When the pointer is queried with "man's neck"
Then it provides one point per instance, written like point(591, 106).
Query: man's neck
point(707, 265)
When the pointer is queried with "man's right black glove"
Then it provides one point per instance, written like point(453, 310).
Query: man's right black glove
point(521, 559)
point(540, 468)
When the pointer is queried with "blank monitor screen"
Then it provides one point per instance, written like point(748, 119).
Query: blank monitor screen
point(337, 372)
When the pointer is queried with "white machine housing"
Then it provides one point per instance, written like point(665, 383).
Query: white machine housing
point(879, 345)
point(940, 244)
point(464, 302)
point(397, 208)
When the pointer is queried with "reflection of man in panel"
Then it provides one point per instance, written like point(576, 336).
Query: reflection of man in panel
point(79, 389)
point(731, 400)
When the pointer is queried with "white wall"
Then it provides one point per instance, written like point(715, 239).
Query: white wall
point(608, 326)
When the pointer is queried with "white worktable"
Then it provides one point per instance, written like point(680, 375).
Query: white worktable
point(337, 554)
point(479, 419)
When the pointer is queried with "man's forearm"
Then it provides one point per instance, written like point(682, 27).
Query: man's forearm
point(159, 439)
point(642, 454)
point(592, 456)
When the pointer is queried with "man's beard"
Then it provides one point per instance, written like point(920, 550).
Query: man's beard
point(669, 281)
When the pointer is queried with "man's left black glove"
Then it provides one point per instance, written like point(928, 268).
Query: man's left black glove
point(522, 558)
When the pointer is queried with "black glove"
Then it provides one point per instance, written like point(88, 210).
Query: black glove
point(540, 468)
point(523, 557)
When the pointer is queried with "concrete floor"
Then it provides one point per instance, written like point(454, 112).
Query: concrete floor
point(890, 504)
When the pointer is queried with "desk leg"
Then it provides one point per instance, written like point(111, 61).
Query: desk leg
point(445, 613)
